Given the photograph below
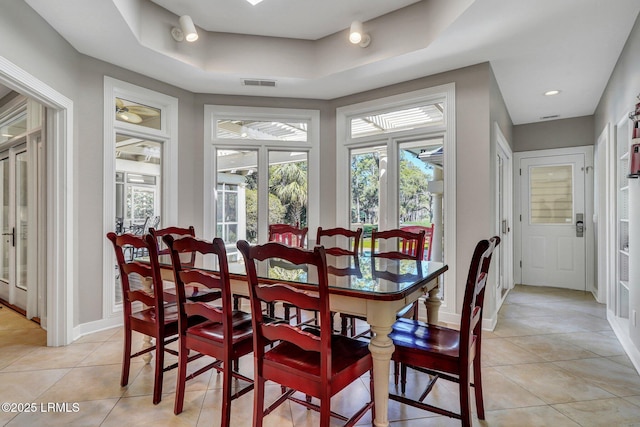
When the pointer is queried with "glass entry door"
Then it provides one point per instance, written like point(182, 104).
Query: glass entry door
point(14, 221)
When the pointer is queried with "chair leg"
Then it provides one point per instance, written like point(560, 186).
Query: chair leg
point(126, 357)
point(159, 371)
point(258, 402)
point(403, 377)
point(183, 355)
point(477, 386)
point(325, 409)
point(465, 398)
point(226, 394)
point(343, 324)
point(236, 303)
point(396, 373)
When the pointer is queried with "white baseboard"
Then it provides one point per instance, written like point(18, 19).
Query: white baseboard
point(621, 329)
point(96, 326)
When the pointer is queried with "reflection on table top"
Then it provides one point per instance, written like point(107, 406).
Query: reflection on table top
point(371, 277)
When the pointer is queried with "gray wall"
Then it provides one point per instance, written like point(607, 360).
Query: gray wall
point(574, 132)
point(44, 54)
point(618, 99)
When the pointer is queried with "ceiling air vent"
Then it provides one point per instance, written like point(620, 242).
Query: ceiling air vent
point(555, 116)
point(255, 82)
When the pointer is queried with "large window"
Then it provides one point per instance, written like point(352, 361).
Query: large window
point(264, 161)
point(398, 155)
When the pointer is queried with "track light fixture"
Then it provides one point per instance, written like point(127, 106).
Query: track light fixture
point(358, 36)
point(187, 30)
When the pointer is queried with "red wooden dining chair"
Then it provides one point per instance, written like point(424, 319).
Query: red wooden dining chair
point(411, 245)
point(312, 361)
point(337, 232)
point(353, 243)
point(159, 233)
point(156, 319)
point(408, 245)
point(225, 335)
point(448, 353)
point(289, 235)
point(294, 236)
point(188, 259)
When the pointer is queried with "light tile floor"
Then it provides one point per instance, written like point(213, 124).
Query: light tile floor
point(552, 361)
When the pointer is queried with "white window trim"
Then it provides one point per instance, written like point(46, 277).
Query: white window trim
point(213, 113)
point(168, 135)
point(344, 142)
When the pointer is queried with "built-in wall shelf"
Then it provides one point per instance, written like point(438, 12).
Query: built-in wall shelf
point(623, 163)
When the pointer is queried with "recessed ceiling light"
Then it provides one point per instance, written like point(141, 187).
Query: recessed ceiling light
point(551, 92)
point(254, 2)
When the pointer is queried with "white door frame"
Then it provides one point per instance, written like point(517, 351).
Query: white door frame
point(587, 151)
point(506, 242)
point(61, 236)
point(603, 216)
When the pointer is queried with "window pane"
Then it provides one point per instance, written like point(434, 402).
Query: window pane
point(261, 130)
point(551, 194)
point(397, 120)
point(365, 190)
point(138, 114)
point(237, 198)
point(138, 188)
point(288, 188)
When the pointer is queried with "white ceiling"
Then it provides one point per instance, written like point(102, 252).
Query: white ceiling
point(533, 46)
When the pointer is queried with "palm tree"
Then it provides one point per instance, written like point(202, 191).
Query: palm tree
point(288, 181)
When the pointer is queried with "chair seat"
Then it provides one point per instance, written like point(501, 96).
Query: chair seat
point(213, 331)
point(345, 352)
point(193, 293)
point(148, 315)
point(421, 337)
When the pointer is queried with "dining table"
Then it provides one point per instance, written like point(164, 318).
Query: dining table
point(363, 285)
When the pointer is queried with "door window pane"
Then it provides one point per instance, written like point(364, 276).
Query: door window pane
point(420, 196)
point(288, 194)
point(21, 220)
point(6, 231)
point(14, 127)
point(365, 188)
point(237, 198)
point(551, 194)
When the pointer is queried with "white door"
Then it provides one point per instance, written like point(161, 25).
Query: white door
point(14, 223)
point(553, 221)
